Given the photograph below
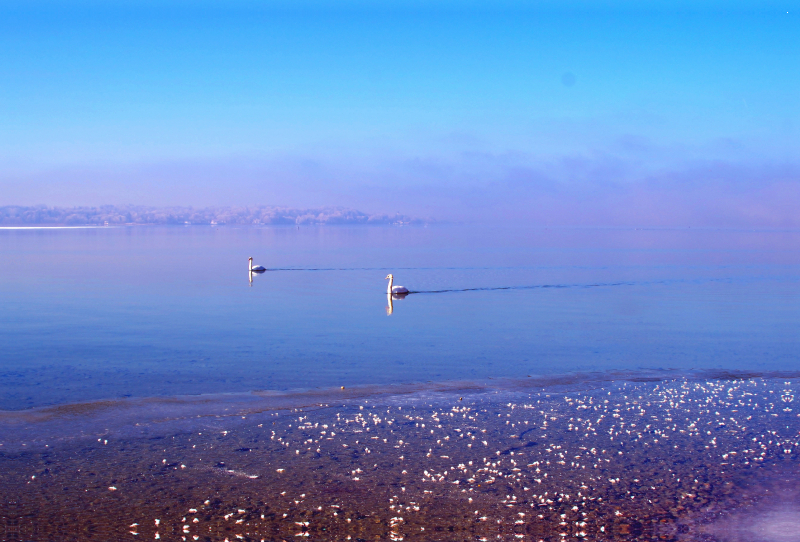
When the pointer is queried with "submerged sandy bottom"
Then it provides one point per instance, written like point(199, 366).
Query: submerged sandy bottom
point(670, 460)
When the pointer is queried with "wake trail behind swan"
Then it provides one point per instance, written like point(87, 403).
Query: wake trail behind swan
point(573, 285)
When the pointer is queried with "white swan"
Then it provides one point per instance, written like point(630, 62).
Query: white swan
point(257, 268)
point(395, 289)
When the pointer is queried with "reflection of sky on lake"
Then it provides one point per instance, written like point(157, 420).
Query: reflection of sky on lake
point(97, 313)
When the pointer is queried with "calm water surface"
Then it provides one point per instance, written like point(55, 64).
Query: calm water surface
point(147, 311)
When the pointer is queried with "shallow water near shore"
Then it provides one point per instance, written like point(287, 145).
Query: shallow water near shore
point(682, 459)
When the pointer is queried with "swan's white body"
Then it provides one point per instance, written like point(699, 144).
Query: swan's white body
point(395, 289)
point(257, 268)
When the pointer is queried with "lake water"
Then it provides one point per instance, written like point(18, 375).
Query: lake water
point(150, 311)
point(537, 384)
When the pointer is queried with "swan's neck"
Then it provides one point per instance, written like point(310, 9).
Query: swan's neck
point(250, 264)
point(389, 289)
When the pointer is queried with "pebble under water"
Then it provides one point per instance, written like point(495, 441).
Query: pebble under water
point(679, 460)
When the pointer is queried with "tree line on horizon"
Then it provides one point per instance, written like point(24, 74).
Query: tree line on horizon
point(114, 215)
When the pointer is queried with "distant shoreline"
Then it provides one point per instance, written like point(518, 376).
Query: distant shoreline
point(129, 215)
point(143, 224)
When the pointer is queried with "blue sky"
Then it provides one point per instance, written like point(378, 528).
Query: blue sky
point(659, 113)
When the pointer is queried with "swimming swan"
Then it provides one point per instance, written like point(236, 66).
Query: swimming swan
point(256, 269)
point(395, 289)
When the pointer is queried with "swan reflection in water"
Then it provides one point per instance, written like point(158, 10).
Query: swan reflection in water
point(258, 269)
point(393, 292)
point(389, 300)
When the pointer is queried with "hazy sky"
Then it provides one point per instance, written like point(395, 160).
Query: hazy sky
point(559, 112)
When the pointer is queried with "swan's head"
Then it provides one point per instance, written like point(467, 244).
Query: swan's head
point(389, 277)
point(250, 259)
